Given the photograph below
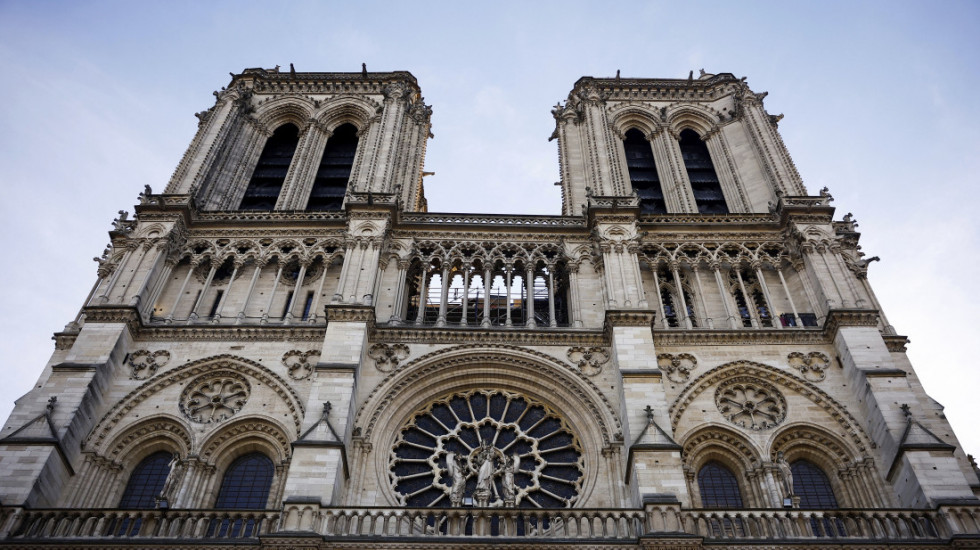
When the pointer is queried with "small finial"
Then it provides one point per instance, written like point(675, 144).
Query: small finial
point(51, 402)
point(292, 70)
point(326, 408)
point(907, 410)
point(649, 411)
point(617, 74)
point(364, 70)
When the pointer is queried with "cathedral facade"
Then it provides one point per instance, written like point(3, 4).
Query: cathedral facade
point(285, 349)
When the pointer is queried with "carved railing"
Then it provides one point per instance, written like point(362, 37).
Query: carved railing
point(572, 524)
point(503, 220)
point(128, 524)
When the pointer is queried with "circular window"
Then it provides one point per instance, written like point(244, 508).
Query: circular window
point(487, 448)
point(750, 403)
point(214, 398)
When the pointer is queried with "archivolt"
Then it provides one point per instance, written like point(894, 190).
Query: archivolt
point(249, 432)
point(535, 365)
point(164, 380)
point(814, 443)
point(138, 435)
point(276, 112)
point(681, 117)
point(632, 116)
point(347, 109)
point(719, 443)
point(773, 375)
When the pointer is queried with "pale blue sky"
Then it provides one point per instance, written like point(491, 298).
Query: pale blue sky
point(880, 101)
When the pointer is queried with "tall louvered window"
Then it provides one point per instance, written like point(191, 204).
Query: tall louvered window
point(643, 173)
point(332, 175)
point(270, 172)
point(701, 172)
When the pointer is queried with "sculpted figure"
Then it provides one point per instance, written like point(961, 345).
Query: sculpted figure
point(457, 472)
point(507, 480)
point(173, 477)
point(786, 472)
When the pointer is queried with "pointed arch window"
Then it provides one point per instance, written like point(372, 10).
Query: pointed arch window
point(270, 172)
point(811, 484)
point(246, 483)
point(701, 172)
point(332, 175)
point(718, 486)
point(643, 173)
point(146, 482)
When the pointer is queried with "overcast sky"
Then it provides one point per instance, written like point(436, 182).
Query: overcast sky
point(97, 99)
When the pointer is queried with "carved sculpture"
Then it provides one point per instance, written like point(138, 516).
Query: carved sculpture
point(786, 473)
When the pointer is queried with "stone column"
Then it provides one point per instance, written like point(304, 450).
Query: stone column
point(487, 284)
point(396, 308)
point(200, 297)
point(288, 317)
point(789, 296)
point(248, 295)
point(529, 305)
point(776, 322)
point(704, 306)
point(551, 298)
point(466, 294)
point(272, 294)
point(191, 266)
point(574, 295)
point(680, 295)
point(221, 305)
point(443, 296)
point(423, 298)
point(749, 302)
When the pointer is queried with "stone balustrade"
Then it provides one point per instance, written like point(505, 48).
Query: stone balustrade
point(573, 524)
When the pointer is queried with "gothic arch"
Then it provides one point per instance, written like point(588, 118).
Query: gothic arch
point(285, 110)
point(357, 111)
point(772, 375)
point(248, 434)
point(630, 117)
point(119, 412)
point(510, 368)
point(163, 432)
point(683, 117)
point(715, 442)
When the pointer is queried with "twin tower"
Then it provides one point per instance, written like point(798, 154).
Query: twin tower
point(285, 346)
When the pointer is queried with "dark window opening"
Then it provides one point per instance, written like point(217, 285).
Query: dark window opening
point(146, 481)
point(809, 319)
point(246, 483)
point(270, 172)
point(332, 175)
point(643, 173)
point(718, 486)
point(285, 307)
point(307, 305)
point(670, 312)
point(743, 310)
point(701, 172)
point(811, 484)
point(217, 302)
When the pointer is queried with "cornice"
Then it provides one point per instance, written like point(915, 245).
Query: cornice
point(629, 318)
point(475, 335)
point(837, 318)
point(488, 220)
point(896, 343)
point(675, 337)
point(349, 313)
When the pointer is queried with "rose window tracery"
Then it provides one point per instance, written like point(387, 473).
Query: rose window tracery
point(214, 398)
point(751, 403)
point(497, 448)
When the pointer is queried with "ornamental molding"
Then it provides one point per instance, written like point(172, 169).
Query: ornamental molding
point(238, 431)
point(838, 318)
point(778, 378)
point(629, 318)
point(299, 363)
point(214, 397)
point(894, 343)
point(505, 221)
point(120, 411)
point(797, 434)
point(678, 367)
point(389, 333)
point(144, 363)
point(413, 373)
point(588, 360)
point(736, 445)
point(681, 338)
point(813, 366)
point(350, 313)
point(233, 333)
point(157, 427)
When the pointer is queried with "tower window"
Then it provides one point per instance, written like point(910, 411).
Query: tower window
point(701, 172)
point(332, 175)
point(643, 173)
point(270, 172)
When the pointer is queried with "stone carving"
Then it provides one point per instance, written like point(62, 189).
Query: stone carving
point(176, 466)
point(387, 357)
point(678, 367)
point(813, 366)
point(750, 403)
point(455, 448)
point(786, 473)
point(211, 399)
point(589, 360)
point(299, 363)
point(144, 363)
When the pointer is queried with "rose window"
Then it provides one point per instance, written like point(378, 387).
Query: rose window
point(489, 448)
point(214, 398)
point(751, 403)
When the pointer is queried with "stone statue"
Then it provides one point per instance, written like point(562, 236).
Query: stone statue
point(486, 468)
point(507, 481)
point(173, 477)
point(787, 474)
point(457, 472)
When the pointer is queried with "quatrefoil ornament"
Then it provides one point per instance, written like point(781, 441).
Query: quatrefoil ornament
point(386, 358)
point(678, 367)
point(144, 363)
point(813, 366)
point(300, 363)
point(589, 360)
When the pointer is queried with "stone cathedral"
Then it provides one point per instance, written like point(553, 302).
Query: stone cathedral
point(285, 349)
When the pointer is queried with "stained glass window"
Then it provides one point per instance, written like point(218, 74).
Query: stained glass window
point(246, 483)
point(146, 481)
point(719, 488)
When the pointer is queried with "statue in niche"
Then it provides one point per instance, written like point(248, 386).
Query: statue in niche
point(456, 465)
point(786, 473)
point(507, 480)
